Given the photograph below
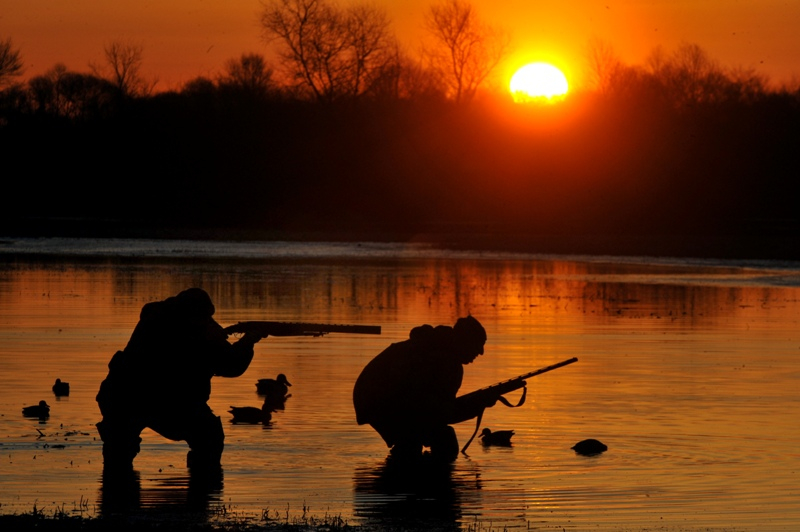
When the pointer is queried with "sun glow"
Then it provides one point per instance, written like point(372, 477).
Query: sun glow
point(538, 81)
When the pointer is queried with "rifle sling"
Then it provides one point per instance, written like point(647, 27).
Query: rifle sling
point(480, 415)
point(519, 403)
point(477, 426)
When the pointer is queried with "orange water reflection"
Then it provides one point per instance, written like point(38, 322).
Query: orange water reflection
point(688, 373)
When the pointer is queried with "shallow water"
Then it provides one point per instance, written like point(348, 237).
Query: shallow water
point(687, 370)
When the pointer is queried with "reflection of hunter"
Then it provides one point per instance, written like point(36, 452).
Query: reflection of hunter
point(282, 328)
point(496, 391)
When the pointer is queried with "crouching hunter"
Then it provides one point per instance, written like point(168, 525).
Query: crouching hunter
point(407, 393)
point(162, 380)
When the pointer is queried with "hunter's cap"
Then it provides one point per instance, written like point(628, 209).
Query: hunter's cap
point(198, 300)
point(471, 331)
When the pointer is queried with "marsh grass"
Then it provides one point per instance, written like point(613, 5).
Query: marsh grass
point(62, 521)
point(222, 519)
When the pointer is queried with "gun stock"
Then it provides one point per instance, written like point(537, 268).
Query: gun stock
point(281, 328)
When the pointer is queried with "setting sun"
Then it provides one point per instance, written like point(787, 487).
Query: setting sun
point(538, 81)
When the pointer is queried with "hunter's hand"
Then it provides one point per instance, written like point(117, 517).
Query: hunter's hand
point(252, 337)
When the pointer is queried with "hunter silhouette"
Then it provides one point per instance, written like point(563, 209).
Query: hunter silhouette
point(162, 380)
point(408, 392)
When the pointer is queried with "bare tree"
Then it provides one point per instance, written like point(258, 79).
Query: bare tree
point(73, 95)
point(300, 26)
point(465, 50)
point(604, 65)
point(688, 75)
point(44, 91)
point(123, 64)
point(370, 45)
point(747, 84)
point(695, 74)
point(403, 77)
point(250, 73)
point(199, 85)
point(11, 65)
point(681, 78)
point(328, 51)
point(418, 82)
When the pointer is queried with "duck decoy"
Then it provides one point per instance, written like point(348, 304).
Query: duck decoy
point(61, 388)
point(273, 388)
point(42, 410)
point(498, 437)
point(590, 447)
point(250, 415)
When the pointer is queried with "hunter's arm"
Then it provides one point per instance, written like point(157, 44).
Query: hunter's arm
point(231, 359)
point(471, 405)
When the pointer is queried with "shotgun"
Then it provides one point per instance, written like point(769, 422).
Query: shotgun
point(478, 399)
point(282, 328)
point(495, 391)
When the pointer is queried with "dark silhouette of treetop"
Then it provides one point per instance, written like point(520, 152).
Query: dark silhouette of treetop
point(66, 94)
point(122, 67)
point(326, 50)
point(11, 65)
point(603, 65)
point(465, 50)
point(249, 73)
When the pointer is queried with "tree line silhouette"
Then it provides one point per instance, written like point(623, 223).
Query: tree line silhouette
point(679, 146)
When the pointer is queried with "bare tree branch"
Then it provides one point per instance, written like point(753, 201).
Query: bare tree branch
point(11, 65)
point(250, 73)
point(328, 51)
point(466, 50)
point(604, 65)
point(123, 64)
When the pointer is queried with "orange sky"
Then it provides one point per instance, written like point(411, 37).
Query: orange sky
point(183, 39)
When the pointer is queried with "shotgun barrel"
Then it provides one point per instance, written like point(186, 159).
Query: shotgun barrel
point(282, 328)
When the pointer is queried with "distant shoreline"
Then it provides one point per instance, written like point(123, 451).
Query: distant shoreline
point(775, 245)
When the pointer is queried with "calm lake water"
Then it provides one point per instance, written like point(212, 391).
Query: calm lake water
point(688, 370)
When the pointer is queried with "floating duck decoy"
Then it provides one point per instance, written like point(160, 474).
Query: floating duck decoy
point(42, 410)
point(590, 447)
point(273, 388)
point(498, 437)
point(250, 415)
point(61, 388)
